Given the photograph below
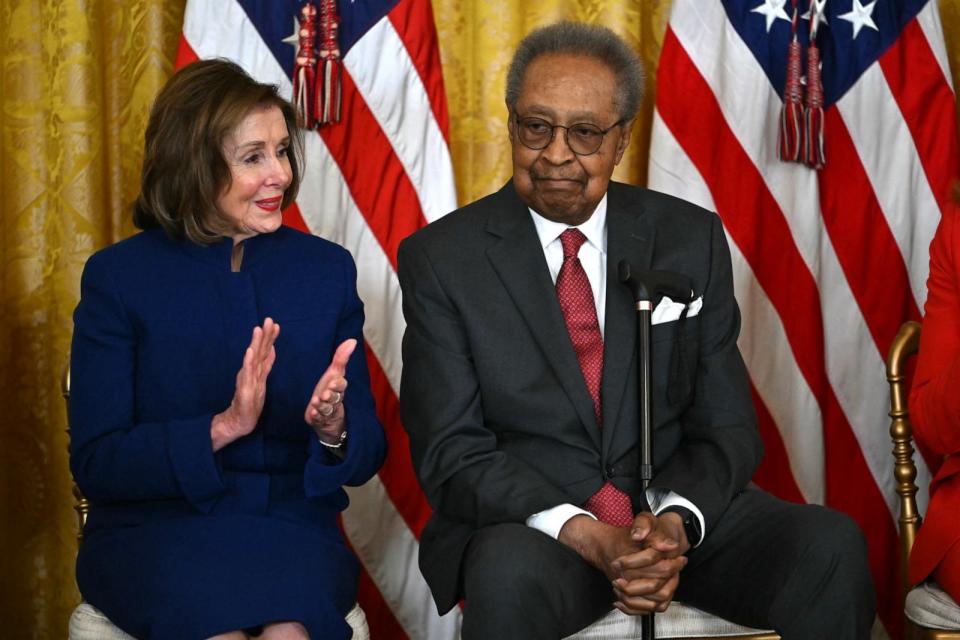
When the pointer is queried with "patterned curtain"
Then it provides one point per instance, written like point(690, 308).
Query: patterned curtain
point(77, 78)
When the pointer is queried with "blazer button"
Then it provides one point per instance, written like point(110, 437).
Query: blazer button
point(610, 471)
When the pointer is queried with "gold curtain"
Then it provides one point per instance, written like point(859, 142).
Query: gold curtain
point(77, 78)
point(76, 81)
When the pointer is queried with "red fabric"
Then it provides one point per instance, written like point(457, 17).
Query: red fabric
point(935, 400)
point(947, 573)
point(609, 504)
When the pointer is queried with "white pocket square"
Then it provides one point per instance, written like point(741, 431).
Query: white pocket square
point(668, 310)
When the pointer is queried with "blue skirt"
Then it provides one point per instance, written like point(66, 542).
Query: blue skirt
point(196, 577)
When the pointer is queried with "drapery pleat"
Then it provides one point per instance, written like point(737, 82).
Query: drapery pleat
point(77, 79)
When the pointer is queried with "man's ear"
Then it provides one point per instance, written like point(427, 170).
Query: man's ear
point(625, 129)
point(509, 116)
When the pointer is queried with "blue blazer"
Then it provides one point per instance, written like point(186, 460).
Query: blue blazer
point(159, 337)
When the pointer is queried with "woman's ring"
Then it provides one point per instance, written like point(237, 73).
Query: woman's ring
point(327, 413)
point(337, 399)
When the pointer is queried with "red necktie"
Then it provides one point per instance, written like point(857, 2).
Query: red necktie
point(609, 504)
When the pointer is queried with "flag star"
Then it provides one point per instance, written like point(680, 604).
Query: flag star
point(821, 11)
point(772, 9)
point(294, 38)
point(860, 16)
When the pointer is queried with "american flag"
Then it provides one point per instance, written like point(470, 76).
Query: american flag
point(372, 179)
point(827, 263)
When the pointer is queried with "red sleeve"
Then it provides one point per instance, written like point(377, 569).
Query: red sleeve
point(935, 397)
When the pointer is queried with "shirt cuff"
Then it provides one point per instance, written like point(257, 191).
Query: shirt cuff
point(659, 499)
point(552, 520)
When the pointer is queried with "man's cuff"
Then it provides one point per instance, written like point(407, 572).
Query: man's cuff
point(552, 520)
point(660, 499)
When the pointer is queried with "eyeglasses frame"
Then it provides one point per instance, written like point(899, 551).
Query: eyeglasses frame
point(566, 132)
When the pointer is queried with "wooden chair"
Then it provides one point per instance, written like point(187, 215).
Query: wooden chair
point(88, 623)
point(929, 613)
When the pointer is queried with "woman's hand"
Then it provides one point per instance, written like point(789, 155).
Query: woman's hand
point(242, 415)
point(325, 410)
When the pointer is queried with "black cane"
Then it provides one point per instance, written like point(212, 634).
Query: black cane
point(647, 289)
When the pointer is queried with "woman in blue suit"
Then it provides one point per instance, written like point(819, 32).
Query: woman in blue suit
point(213, 447)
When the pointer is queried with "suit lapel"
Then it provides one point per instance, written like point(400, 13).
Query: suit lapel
point(631, 237)
point(517, 257)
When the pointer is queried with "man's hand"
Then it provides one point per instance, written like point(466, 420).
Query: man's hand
point(599, 543)
point(649, 577)
point(643, 562)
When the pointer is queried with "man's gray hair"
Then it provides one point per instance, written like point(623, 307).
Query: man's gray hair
point(588, 40)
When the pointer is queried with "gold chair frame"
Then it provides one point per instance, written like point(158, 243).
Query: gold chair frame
point(80, 504)
point(906, 345)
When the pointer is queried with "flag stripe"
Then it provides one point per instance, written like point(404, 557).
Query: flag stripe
point(926, 102)
point(929, 21)
point(389, 552)
point(329, 210)
point(293, 218)
point(185, 53)
point(775, 472)
point(380, 618)
point(373, 173)
point(414, 24)
point(889, 158)
point(779, 384)
point(383, 74)
point(862, 240)
point(397, 473)
point(742, 198)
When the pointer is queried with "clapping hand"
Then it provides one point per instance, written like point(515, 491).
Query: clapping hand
point(325, 411)
point(242, 415)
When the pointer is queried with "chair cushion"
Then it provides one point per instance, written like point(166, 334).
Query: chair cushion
point(930, 606)
point(357, 620)
point(87, 623)
point(679, 621)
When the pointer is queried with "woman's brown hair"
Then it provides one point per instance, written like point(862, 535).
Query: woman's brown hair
point(184, 171)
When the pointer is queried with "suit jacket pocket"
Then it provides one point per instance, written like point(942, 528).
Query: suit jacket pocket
point(675, 349)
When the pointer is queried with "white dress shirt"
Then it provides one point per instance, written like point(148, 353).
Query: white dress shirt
point(593, 257)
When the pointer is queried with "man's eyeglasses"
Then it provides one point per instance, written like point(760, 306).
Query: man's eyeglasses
point(583, 138)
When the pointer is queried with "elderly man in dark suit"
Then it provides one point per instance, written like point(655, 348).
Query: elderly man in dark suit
point(519, 392)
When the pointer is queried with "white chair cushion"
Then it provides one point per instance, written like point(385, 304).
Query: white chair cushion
point(679, 621)
point(87, 623)
point(930, 606)
point(357, 620)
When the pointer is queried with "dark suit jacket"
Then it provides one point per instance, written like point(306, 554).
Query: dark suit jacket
point(500, 421)
point(934, 401)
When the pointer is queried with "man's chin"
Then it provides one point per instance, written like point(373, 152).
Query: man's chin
point(561, 208)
